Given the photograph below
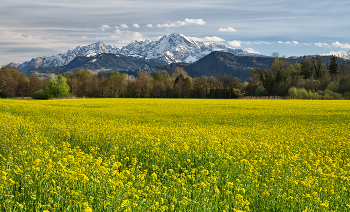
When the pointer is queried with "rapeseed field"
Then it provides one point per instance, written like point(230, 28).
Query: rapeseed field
point(174, 155)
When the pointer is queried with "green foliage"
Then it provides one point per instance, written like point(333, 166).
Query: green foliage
point(303, 93)
point(179, 79)
point(40, 95)
point(2, 94)
point(317, 66)
point(57, 87)
point(261, 91)
point(293, 93)
point(344, 85)
point(161, 76)
point(250, 89)
point(306, 69)
point(278, 68)
point(333, 86)
point(333, 66)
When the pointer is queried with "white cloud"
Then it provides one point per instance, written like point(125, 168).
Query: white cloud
point(104, 27)
point(213, 38)
point(319, 44)
point(84, 37)
point(250, 50)
point(122, 37)
point(295, 42)
point(208, 39)
point(149, 25)
point(288, 42)
point(136, 25)
point(235, 43)
point(195, 21)
point(341, 45)
point(228, 29)
point(125, 37)
point(124, 26)
point(256, 42)
point(280, 42)
point(183, 23)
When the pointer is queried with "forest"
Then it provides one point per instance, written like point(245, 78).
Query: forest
point(311, 78)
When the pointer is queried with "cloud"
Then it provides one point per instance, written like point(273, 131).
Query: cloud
point(149, 25)
point(288, 42)
point(208, 39)
point(123, 37)
point(136, 25)
point(124, 26)
point(319, 44)
point(341, 45)
point(235, 43)
point(104, 27)
point(183, 23)
point(195, 21)
point(228, 29)
point(250, 50)
point(256, 42)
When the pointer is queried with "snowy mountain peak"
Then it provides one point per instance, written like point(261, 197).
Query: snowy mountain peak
point(169, 48)
point(340, 54)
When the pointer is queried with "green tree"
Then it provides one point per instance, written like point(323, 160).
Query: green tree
point(117, 83)
point(260, 91)
point(306, 69)
point(9, 77)
point(83, 77)
point(278, 68)
point(317, 66)
point(333, 66)
point(57, 87)
point(161, 76)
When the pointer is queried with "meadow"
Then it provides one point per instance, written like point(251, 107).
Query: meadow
point(174, 155)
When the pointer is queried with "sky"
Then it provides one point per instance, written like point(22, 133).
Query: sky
point(29, 29)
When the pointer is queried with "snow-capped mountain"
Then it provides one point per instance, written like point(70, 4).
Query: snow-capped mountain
point(177, 48)
point(64, 59)
point(169, 48)
point(341, 54)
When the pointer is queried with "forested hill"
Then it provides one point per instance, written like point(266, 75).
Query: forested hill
point(220, 63)
point(223, 63)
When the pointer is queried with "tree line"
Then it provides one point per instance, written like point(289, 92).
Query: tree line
point(313, 77)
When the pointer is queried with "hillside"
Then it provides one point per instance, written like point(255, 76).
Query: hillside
point(222, 63)
point(106, 61)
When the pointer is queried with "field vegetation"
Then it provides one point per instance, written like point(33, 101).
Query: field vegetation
point(174, 155)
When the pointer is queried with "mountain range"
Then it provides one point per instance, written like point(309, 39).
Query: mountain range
point(170, 51)
point(174, 48)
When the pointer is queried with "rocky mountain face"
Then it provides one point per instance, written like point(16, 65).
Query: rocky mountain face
point(106, 61)
point(172, 48)
point(177, 48)
point(64, 59)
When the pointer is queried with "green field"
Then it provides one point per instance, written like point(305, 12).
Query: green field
point(174, 155)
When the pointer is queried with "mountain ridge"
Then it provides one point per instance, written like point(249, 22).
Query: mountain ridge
point(171, 48)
